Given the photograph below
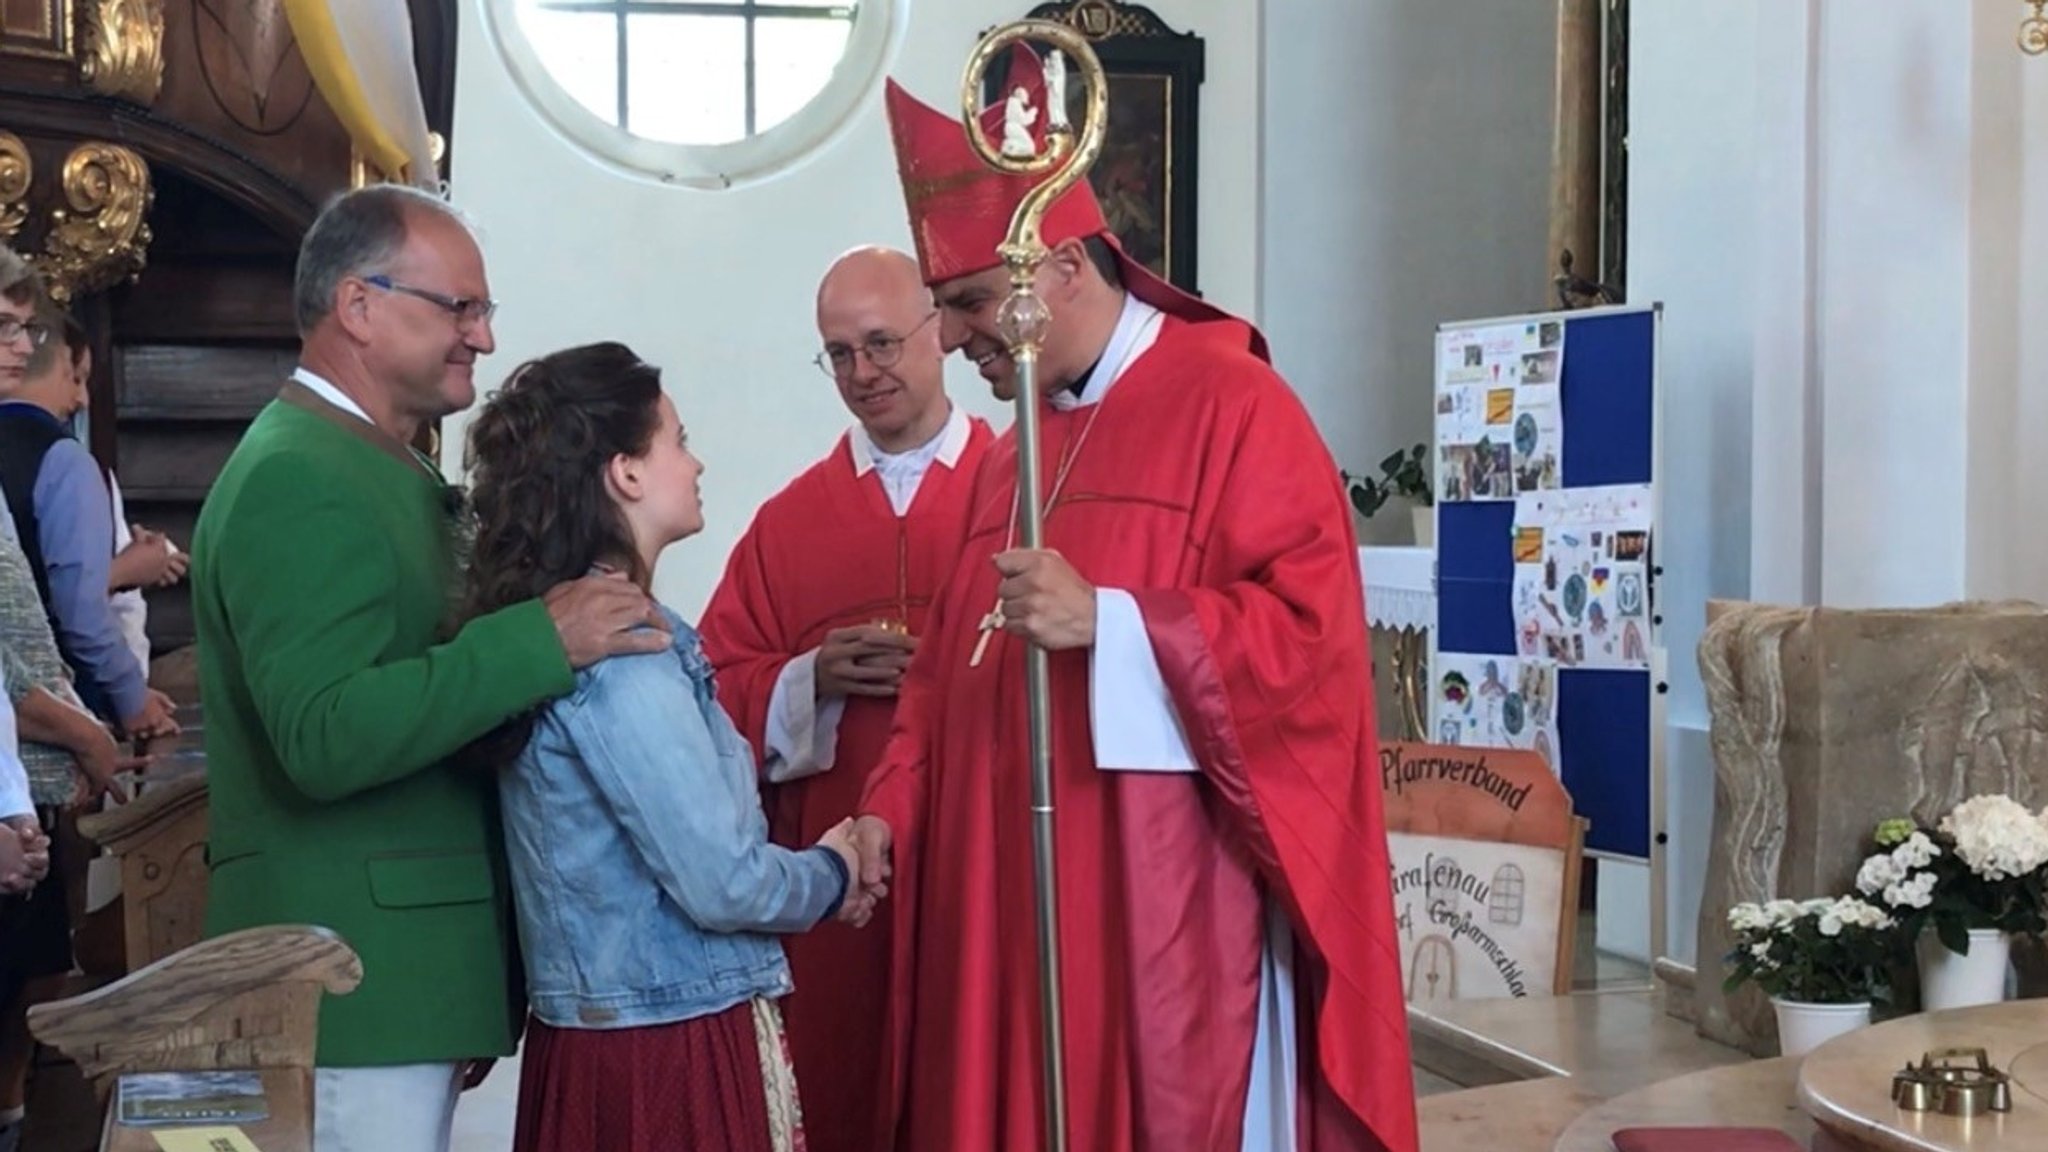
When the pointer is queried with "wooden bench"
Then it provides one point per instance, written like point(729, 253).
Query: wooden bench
point(246, 1000)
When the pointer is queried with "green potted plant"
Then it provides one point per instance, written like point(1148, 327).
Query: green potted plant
point(1961, 892)
point(1822, 962)
point(1404, 474)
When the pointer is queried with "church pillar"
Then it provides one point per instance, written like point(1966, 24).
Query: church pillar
point(1576, 145)
point(1891, 428)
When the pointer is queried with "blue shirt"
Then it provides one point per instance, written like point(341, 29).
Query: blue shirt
point(75, 529)
point(647, 890)
point(14, 794)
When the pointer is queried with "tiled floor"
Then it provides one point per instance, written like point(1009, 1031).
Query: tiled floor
point(483, 1121)
point(1593, 971)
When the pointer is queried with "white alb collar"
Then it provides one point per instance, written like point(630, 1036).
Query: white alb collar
point(1136, 328)
point(946, 447)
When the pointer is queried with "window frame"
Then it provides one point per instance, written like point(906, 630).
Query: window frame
point(872, 39)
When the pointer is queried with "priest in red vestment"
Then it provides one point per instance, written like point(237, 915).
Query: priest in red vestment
point(1226, 909)
point(822, 602)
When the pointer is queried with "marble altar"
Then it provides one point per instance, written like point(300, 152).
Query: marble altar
point(1845, 1084)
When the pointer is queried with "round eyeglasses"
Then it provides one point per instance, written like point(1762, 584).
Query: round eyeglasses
point(882, 350)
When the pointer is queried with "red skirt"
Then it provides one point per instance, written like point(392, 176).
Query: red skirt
point(696, 1084)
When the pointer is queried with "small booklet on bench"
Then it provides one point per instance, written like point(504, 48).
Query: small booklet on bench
point(150, 1099)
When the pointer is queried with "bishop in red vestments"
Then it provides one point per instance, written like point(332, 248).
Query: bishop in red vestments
point(1227, 933)
point(822, 601)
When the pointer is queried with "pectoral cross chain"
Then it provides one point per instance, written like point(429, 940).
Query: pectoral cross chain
point(994, 621)
point(990, 625)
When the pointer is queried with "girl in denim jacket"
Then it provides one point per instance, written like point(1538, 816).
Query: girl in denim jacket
point(648, 895)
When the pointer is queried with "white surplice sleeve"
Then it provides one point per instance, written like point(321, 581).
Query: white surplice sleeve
point(1131, 716)
point(803, 731)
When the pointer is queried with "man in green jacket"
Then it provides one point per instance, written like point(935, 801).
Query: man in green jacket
point(338, 688)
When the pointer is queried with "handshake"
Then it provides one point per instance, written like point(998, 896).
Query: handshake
point(863, 843)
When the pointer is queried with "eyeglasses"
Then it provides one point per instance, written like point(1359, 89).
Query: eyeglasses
point(12, 330)
point(836, 360)
point(467, 310)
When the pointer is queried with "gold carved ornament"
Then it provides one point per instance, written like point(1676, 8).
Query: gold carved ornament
point(123, 48)
point(17, 171)
point(1102, 19)
point(102, 236)
point(2034, 29)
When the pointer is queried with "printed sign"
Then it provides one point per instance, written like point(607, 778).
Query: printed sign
point(1484, 849)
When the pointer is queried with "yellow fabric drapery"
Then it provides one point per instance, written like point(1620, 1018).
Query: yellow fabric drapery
point(360, 55)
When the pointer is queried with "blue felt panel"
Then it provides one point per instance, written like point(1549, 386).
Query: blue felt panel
point(1607, 392)
point(1475, 616)
point(1603, 732)
point(1475, 540)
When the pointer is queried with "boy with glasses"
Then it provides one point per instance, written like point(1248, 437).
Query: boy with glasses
point(62, 511)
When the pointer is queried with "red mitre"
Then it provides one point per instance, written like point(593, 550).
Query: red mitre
point(960, 208)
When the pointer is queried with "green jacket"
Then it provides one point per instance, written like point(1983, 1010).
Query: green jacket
point(323, 574)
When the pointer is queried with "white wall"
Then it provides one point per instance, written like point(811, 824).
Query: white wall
point(1368, 169)
point(1904, 393)
point(2007, 553)
point(1845, 219)
point(717, 287)
point(1406, 183)
point(2026, 561)
point(1692, 245)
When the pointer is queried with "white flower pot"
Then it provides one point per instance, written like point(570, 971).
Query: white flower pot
point(1952, 980)
point(1804, 1027)
point(1425, 525)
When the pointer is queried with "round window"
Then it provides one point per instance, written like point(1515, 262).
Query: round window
point(707, 93)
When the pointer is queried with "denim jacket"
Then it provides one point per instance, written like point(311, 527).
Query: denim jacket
point(646, 887)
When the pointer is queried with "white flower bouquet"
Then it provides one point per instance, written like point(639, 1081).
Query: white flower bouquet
point(1824, 951)
point(1982, 867)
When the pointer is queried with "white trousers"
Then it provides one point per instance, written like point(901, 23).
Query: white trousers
point(402, 1108)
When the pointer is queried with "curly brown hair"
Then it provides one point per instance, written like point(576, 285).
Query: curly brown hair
point(536, 458)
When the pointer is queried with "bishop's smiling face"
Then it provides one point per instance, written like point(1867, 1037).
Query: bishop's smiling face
point(967, 324)
point(968, 306)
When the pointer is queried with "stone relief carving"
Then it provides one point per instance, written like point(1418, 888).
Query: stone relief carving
point(1742, 672)
point(1824, 722)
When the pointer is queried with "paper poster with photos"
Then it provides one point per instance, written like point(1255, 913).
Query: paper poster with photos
point(1487, 701)
point(1499, 421)
point(1582, 576)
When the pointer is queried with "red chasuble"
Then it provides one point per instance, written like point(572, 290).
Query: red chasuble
point(824, 553)
point(1204, 491)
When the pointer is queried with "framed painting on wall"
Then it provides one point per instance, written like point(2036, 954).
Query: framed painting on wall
point(1145, 176)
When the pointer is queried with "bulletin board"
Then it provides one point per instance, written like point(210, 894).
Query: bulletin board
point(1548, 630)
